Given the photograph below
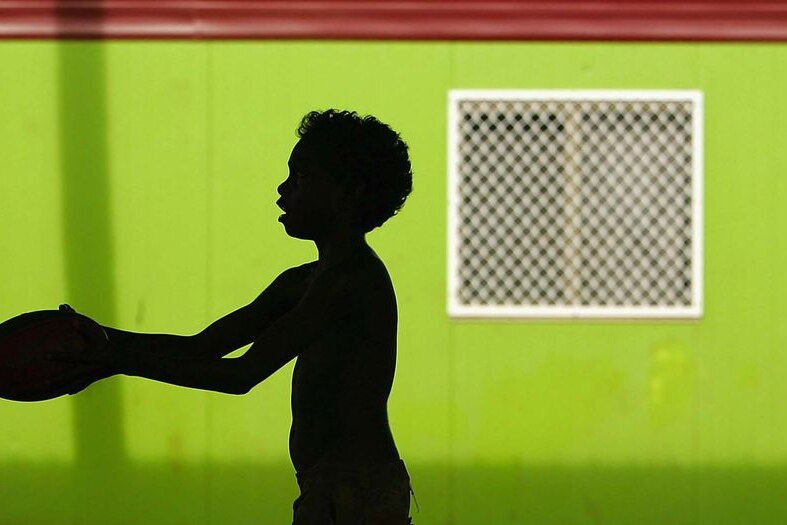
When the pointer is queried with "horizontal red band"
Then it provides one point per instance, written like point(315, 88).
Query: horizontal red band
point(623, 20)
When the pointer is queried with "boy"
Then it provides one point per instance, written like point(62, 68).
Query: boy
point(337, 315)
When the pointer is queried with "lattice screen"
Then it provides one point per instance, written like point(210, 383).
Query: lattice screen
point(575, 204)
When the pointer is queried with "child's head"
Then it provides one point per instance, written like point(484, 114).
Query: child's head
point(365, 159)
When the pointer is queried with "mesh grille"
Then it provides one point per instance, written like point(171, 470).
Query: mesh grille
point(582, 203)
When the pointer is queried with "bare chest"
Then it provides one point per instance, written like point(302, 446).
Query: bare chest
point(335, 361)
point(353, 361)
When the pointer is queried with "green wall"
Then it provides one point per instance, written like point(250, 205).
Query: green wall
point(138, 181)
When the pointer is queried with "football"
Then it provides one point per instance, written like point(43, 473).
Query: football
point(25, 340)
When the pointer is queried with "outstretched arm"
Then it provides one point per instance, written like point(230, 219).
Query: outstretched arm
point(218, 375)
point(331, 297)
point(195, 360)
point(162, 344)
point(167, 345)
point(132, 353)
point(235, 330)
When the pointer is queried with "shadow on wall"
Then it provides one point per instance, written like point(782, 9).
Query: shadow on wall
point(223, 494)
point(87, 225)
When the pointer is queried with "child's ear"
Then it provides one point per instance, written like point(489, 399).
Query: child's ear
point(355, 194)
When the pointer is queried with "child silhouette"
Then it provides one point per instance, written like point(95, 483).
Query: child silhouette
point(337, 316)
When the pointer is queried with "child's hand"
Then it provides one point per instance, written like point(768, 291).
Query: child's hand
point(82, 345)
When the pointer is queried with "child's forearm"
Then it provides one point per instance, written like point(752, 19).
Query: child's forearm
point(169, 345)
point(228, 376)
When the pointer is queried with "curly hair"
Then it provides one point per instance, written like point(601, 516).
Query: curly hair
point(362, 152)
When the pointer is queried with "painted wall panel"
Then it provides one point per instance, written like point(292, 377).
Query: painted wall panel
point(500, 422)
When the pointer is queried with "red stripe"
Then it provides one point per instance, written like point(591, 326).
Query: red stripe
point(626, 20)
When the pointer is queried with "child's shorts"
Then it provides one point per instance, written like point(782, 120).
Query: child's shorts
point(337, 493)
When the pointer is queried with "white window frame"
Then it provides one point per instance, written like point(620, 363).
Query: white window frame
point(693, 311)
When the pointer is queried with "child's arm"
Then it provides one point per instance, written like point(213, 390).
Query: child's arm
point(161, 344)
point(223, 336)
point(331, 297)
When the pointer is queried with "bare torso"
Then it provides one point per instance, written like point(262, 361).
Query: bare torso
point(341, 383)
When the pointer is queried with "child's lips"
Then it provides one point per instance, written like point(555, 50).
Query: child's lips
point(284, 209)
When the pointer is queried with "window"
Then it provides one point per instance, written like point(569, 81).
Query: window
point(575, 204)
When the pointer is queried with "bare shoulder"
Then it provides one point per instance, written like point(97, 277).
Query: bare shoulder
point(302, 269)
point(378, 274)
point(366, 275)
point(371, 270)
point(297, 275)
point(293, 282)
point(380, 298)
point(379, 317)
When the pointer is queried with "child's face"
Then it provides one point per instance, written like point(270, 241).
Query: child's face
point(311, 199)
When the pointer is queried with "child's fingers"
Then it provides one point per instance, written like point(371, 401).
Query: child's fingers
point(71, 343)
point(63, 356)
point(77, 341)
point(81, 331)
point(70, 356)
point(86, 331)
